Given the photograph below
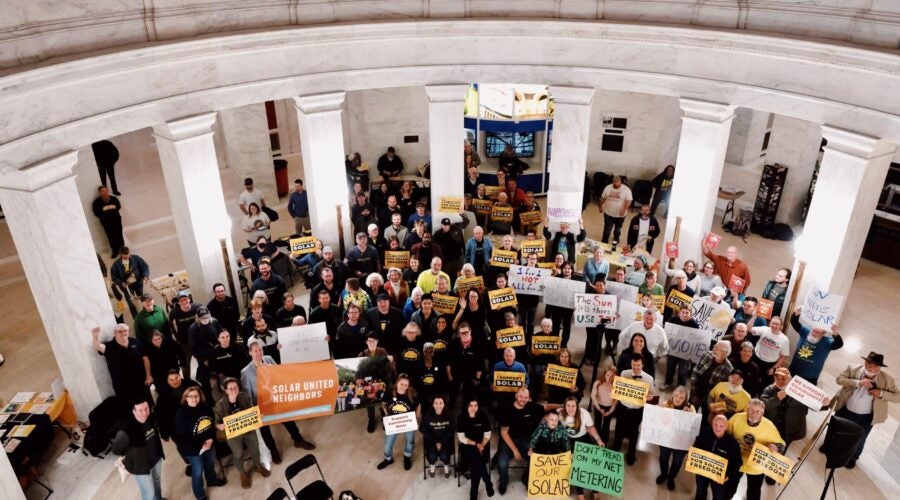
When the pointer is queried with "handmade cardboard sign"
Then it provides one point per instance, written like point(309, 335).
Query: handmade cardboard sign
point(527, 280)
point(591, 308)
point(625, 292)
point(675, 429)
point(687, 343)
point(711, 316)
point(598, 469)
point(301, 344)
point(820, 309)
point(561, 292)
point(549, 475)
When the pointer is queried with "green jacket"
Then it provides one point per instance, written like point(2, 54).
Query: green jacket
point(145, 322)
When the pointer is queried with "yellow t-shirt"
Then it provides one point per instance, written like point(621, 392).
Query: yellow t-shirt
point(734, 403)
point(765, 434)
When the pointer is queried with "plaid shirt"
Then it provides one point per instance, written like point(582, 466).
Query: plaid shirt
point(546, 440)
point(719, 374)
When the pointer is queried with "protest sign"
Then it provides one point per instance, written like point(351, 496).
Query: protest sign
point(503, 297)
point(548, 475)
point(503, 258)
point(510, 337)
point(774, 465)
point(527, 280)
point(398, 259)
point(820, 309)
point(542, 345)
point(687, 343)
point(502, 213)
point(659, 301)
point(546, 265)
point(563, 206)
point(300, 246)
point(677, 300)
point(711, 316)
point(296, 391)
point(672, 249)
point(805, 392)
point(444, 304)
point(508, 381)
point(629, 390)
point(536, 247)
point(560, 376)
point(706, 464)
point(242, 422)
point(598, 469)
point(482, 207)
point(450, 205)
point(764, 308)
point(492, 192)
point(463, 285)
point(300, 344)
point(712, 240)
point(624, 291)
point(530, 218)
point(629, 312)
point(561, 291)
point(736, 284)
point(669, 427)
point(590, 308)
point(399, 423)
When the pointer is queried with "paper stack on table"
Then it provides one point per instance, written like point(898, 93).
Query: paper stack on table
point(22, 397)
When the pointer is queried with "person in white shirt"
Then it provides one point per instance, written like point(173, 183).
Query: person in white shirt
point(772, 349)
point(614, 203)
point(250, 195)
point(657, 341)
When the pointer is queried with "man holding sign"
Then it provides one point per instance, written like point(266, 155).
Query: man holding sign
point(714, 440)
point(234, 401)
point(628, 422)
point(729, 265)
point(750, 428)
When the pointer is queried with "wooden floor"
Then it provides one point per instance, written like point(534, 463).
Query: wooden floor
point(346, 452)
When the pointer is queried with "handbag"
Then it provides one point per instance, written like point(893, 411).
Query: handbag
point(273, 215)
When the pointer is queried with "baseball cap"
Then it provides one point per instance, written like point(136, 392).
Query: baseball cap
point(372, 226)
point(327, 249)
point(184, 293)
point(717, 291)
point(445, 221)
point(382, 296)
point(202, 311)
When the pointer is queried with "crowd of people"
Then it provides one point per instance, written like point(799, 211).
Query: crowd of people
point(447, 365)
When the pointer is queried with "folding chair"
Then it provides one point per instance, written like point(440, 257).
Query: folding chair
point(316, 490)
point(454, 462)
point(279, 494)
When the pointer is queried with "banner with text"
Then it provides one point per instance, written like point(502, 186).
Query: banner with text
point(503, 297)
point(598, 469)
point(563, 206)
point(296, 391)
point(629, 390)
point(820, 309)
point(706, 464)
point(561, 376)
point(242, 422)
point(561, 292)
point(301, 344)
point(712, 317)
point(669, 427)
point(527, 280)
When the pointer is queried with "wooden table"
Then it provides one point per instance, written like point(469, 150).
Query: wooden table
point(169, 285)
point(731, 197)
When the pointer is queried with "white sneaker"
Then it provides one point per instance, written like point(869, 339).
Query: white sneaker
point(431, 470)
point(446, 471)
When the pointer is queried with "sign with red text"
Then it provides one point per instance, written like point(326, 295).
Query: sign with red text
point(400, 423)
point(591, 308)
point(764, 308)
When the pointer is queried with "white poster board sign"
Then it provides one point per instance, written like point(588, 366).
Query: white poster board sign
point(669, 427)
point(590, 308)
point(561, 292)
point(803, 391)
point(528, 280)
point(820, 309)
point(301, 344)
point(711, 316)
point(688, 343)
point(625, 292)
point(401, 422)
point(629, 312)
point(564, 206)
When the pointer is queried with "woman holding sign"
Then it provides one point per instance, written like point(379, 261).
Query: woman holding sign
point(400, 399)
point(233, 402)
point(580, 426)
point(670, 459)
point(558, 395)
point(195, 437)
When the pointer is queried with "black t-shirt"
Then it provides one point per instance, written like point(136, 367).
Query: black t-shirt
point(398, 403)
point(284, 318)
point(350, 340)
point(473, 429)
point(331, 317)
point(521, 422)
point(183, 321)
point(126, 364)
point(254, 254)
point(153, 445)
point(409, 355)
point(227, 313)
point(430, 381)
point(389, 326)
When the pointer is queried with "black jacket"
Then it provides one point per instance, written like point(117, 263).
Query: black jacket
point(726, 447)
point(571, 238)
point(634, 226)
point(193, 426)
point(131, 442)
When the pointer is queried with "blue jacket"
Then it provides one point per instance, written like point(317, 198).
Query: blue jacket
point(809, 358)
point(592, 269)
point(517, 367)
point(136, 265)
point(470, 251)
point(298, 204)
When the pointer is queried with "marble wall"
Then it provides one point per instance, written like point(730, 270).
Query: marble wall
point(245, 137)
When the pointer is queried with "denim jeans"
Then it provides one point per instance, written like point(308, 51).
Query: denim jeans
point(505, 455)
point(681, 367)
point(150, 485)
point(407, 449)
point(202, 465)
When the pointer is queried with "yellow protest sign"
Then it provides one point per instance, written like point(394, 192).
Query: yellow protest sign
point(561, 376)
point(503, 258)
point(545, 345)
point(503, 297)
point(548, 475)
point(482, 207)
point(510, 337)
point(492, 191)
point(463, 285)
point(450, 205)
point(531, 218)
point(242, 422)
point(706, 464)
point(398, 259)
point(444, 304)
point(546, 265)
point(300, 246)
point(629, 390)
point(501, 213)
point(535, 246)
point(677, 300)
point(772, 464)
point(659, 301)
point(508, 381)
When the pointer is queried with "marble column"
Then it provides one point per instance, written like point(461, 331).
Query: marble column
point(191, 172)
point(49, 228)
point(247, 150)
point(9, 483)
point(698, 172)
point(850, 179)
point(445, 143)
point(794, 144)
point(322, 148)
point(571, 130)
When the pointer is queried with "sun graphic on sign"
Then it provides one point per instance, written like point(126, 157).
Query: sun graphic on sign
point(805, 352)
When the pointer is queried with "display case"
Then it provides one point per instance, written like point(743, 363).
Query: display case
point(768, 196)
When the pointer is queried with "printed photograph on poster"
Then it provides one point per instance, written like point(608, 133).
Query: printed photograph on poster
point(361, 382)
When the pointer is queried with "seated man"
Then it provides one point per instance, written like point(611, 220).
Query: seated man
point(389, 165)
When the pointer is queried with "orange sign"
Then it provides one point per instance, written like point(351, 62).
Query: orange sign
point(765, 307)
point(296, 391)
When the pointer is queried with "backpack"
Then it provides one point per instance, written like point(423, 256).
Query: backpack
point(105, 421)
